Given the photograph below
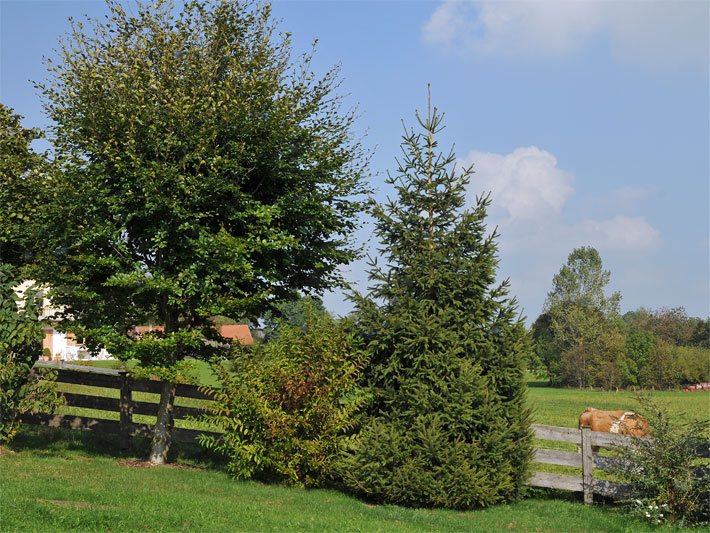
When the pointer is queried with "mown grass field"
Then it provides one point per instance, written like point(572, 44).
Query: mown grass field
point(562, 406)
point(62, 480)
point(58, 480)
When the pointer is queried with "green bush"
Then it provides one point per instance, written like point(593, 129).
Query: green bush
point(692, 364)
point(20, 346)
point(286, 407)
point(664, 471)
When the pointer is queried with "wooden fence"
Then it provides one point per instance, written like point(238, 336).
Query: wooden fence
point(586, 458)
point(586, 440)
point(125, 405)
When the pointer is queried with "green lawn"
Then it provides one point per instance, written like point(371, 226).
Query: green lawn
point(61, 480)
point(54, 480)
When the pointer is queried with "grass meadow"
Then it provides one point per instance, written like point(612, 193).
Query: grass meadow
point(58, 480)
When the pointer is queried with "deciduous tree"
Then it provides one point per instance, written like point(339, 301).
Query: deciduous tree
point(20, 186)
point(581, 335)
point(204, 171)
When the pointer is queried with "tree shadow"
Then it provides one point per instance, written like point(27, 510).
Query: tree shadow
point(44, 441)
point(540, 383)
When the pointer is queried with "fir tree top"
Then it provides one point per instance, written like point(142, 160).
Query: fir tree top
point(435, 251)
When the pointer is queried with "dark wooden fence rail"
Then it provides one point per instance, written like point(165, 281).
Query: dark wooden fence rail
point(125, 405)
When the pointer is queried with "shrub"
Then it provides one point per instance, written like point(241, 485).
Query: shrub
point(20, 346)
point(664, 470)
point(287, 406)
point(692, 364)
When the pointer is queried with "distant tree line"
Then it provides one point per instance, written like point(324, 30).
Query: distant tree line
point(582, 340)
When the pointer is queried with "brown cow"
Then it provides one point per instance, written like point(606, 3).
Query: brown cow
point(620, 422)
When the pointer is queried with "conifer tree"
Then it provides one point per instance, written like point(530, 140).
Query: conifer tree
point(448, 426)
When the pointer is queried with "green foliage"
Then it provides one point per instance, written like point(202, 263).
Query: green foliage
point(582, 281)
point(448, 426)
point(692, 364)
point(20, 346)
point(287, 406)
point(701, 333)
point(639, 347)
point(671, 325)
point(20, 181)
point(664, 470)
point(294, 312)
point(204, 171)
point(579, 336)
point(665, 348)
point(544, 355)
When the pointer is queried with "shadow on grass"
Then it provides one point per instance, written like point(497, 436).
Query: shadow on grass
point(52, 442)
point(541, 384)
point(538, 493)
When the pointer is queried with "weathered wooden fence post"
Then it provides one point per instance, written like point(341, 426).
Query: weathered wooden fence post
point(126, 410)
point(587, 465)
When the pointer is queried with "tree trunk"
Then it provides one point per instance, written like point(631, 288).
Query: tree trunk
point(162, 433)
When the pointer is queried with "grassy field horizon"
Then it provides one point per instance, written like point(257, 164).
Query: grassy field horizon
point(553, 406)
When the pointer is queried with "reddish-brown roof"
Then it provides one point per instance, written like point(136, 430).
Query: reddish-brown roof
point(239, 332)
point(140, 330)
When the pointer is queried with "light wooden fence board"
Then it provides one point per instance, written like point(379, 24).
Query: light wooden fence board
point(557, 433)
point(586, 458)
point(558, 457)
point(609, 440)
point(556, 481)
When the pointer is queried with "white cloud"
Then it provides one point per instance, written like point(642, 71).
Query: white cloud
point(529, 193)
point(652, 34)
point(627, 198)
point(446, 23)
point(621, 233)
point(525, 183)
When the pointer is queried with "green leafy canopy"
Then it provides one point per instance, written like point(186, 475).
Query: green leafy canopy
point(203, 171)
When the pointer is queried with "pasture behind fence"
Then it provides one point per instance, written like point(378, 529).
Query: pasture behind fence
point(125, 405)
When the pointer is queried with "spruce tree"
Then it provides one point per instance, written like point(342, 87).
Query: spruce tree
point(448, 425)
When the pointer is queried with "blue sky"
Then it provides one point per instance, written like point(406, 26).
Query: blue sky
point(588, 121)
